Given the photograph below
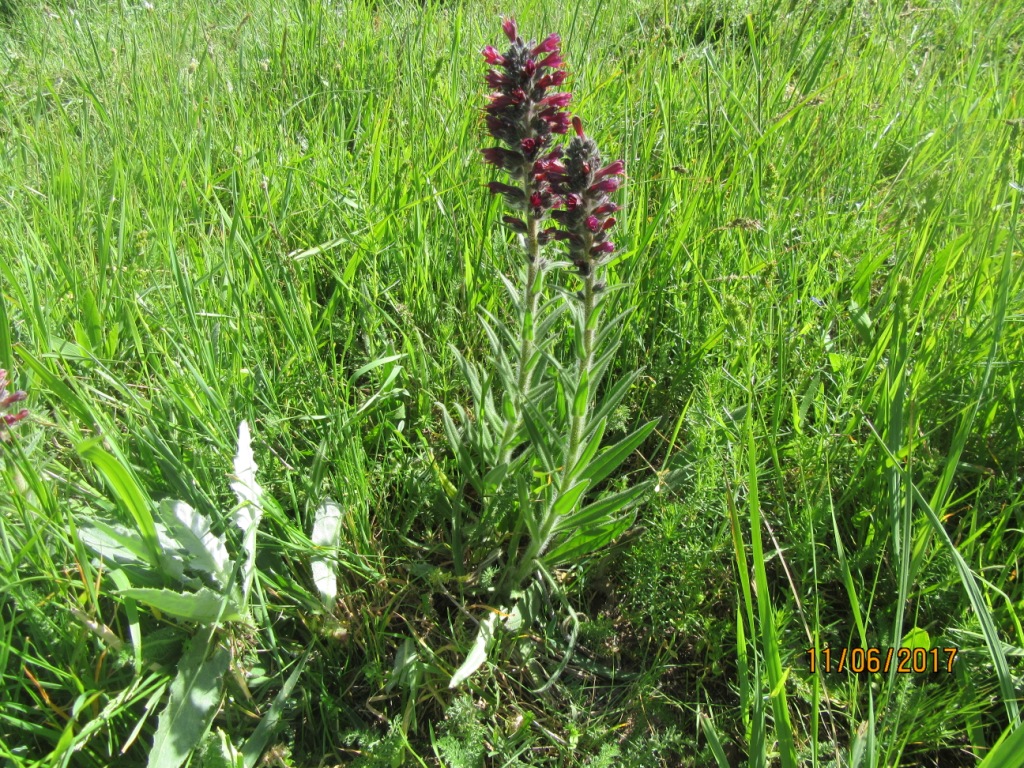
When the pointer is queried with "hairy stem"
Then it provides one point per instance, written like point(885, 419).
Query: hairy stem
point(527, 344)
point(577, 428)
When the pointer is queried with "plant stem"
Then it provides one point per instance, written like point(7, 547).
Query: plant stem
point(577, 428)
point(579, 423)
point(527, 345)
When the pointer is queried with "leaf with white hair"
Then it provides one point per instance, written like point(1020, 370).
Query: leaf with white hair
point(191, 529)
point(326, 534)
point(250, 506)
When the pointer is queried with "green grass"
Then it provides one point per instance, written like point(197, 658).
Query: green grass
point(276, 212)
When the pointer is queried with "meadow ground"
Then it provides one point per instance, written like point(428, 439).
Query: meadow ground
point(277, 213)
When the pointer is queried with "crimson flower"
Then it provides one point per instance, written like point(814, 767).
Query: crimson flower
point(583, 186)
point(523, 115)
point(6, 401)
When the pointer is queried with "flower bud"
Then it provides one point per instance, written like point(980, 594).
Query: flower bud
point(509, 27)
point(492, 56)
point(516, 225)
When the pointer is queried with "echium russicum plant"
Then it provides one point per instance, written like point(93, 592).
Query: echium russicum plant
point(524, 116)
point(531, 501)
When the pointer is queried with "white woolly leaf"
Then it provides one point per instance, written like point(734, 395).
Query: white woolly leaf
point(326, 534)
point(477, 654)
point(192, 532)
point(250, 508)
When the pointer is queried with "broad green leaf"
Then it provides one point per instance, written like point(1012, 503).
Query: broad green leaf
point(494, 478)
point(508, 408)
point(113, 543)
point(862, 322)
point(526, 608)
point(611, 458)
point(478, 653)
point(203, 606)
point(219, 752)
point(917, 638)
point(128, 494)
point(195, 695)
point(326, 534)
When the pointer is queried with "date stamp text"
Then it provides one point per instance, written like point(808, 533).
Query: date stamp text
point(857, 660)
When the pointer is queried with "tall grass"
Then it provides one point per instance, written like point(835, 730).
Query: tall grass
point(276, 213)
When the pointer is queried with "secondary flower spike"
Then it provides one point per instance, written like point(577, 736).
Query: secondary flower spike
point(584, 186)
point(523, 115)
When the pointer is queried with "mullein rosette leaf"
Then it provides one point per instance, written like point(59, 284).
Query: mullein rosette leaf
point(583, 187)
point(524, 116)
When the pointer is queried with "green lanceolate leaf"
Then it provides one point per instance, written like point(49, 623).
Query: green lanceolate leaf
point(582, 396)
point(614, 397)
point(469, 374)
point(603, 510)
point(373, 364)
point(539, 432)
point(611, 458)
point(551, 311)
point(587, 541)
point(499, 357)
point(203, 606)
point(255, 744)
point(591, 448)
point(219, 752)
point(250, 504)
point(566, 501)
point(195, 694)
point(465, 461)
point(1007, 751)
point(113, 543)
point(494, 478)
